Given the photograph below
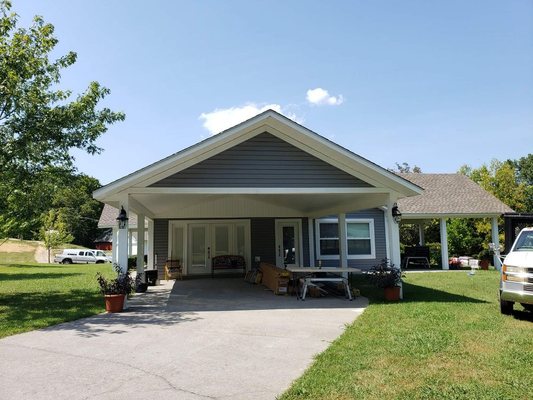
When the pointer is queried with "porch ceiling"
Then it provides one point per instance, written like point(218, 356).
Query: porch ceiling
point(242, 205)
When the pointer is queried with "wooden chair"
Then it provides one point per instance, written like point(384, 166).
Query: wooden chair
point(173, 270)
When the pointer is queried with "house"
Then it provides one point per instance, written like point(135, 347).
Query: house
point(268, 189)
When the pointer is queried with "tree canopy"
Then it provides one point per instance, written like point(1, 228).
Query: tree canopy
point(40, 122)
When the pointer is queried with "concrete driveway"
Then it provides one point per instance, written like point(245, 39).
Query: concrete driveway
point(201, 339)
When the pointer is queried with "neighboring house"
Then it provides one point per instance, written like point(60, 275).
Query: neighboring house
point(105, 240)
point(261, 190)
point(267, 189)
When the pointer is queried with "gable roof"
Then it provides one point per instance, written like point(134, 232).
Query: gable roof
point(277, 125)
point(449, 195)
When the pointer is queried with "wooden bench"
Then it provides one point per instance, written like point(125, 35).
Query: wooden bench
point(227, 262)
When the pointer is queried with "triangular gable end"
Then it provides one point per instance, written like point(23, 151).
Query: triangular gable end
point(262, 161)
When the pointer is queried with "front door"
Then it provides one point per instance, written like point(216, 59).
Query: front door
point(199, 251)
point(288, 243)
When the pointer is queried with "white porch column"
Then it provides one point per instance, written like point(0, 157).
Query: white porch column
point(421, 238)
point(114, 244)
point(130, 241)
point(310, 223)
point(496, 241)
point(140, 243)
point(122, 250)
point(444, 244)
point(150, 244)
point(343, 242)
point(393, 238)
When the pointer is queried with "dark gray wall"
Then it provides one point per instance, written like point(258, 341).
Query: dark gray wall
point(160, 244)
point(380, 239)
point(263, 236)
point(263, 161)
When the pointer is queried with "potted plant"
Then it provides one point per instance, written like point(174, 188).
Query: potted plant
point(140, 285)
point(484, 257)
point(386, 276)
point(115, 289)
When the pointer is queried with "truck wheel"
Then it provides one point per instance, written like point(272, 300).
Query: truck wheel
point(528, 307)
point(66, 261)
point(506, 307)
point(99, 262)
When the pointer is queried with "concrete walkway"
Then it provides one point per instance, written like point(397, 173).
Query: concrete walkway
point(201, 339)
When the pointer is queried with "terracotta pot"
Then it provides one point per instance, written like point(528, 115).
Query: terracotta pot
point(392, 293)
point(484, 264)
point(114, 302)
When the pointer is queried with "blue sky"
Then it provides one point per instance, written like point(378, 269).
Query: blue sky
point(432, 83)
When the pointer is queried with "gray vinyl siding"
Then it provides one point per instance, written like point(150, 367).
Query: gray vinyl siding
point(380, 240)
point(263, 161)
point(160, 244)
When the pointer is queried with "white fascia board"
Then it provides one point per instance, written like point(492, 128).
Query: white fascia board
point(410, 216)
point(184, 158)
point(329, 152)
point(252, 190)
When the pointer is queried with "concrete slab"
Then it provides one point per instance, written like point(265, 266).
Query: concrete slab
point(195, 339)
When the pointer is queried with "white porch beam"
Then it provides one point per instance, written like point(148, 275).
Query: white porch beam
point(122, 245)
point(343, 242)
point(130, 241)
point(140, 243)
point(139, 208)
point(496, 241)
point(444, 244)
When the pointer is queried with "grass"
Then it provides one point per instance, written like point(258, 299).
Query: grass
point(34, 296)
point(446, 340)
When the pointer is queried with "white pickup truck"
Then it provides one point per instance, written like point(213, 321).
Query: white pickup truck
point(82, 256)
point(516, 283)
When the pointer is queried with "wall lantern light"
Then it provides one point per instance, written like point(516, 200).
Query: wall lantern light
point(122, 219)
point(396, 214)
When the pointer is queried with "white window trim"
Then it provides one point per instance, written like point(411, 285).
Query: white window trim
point(370, 222)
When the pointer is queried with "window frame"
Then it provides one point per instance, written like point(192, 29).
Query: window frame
point(369, 221)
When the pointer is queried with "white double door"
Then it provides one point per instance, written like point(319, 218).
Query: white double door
point(205, 240)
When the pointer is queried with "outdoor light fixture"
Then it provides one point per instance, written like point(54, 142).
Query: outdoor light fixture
point(396, 214)
point(122, 219)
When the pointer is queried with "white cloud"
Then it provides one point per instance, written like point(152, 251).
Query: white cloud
point(221, 119)
point(321, 96)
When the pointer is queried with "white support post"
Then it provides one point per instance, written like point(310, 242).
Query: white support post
point(140, 243)
point(343, 242)
point(496, 241)
point(122, 250)
point(393, 237)
point(310, 223)
point(444, 244)
point(114, 245)
point(421, 238)
point(150, 244)
point(130, 242)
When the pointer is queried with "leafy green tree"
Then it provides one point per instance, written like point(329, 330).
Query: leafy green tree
point(54, 232)
point(524, 169)
point(39, 121)
point(406, 168)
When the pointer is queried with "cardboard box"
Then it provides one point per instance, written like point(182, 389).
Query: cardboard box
point(314, 291)
point(274, 278)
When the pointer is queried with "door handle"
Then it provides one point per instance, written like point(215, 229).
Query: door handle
point(279, 251)
point(209, 252)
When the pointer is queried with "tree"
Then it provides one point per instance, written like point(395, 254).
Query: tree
point(524, 169)
point(405, 168)
point(39, 122)
point(54, 232)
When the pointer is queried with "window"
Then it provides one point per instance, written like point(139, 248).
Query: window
point(359, 236)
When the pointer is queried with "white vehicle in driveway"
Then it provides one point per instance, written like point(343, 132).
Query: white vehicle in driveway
point(516, 283)
point(82, 256)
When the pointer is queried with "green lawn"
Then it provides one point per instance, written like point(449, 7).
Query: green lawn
point(34, 296)
point(446, 340)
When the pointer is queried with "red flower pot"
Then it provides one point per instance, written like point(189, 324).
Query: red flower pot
point(392, 293)
point(114, 302)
